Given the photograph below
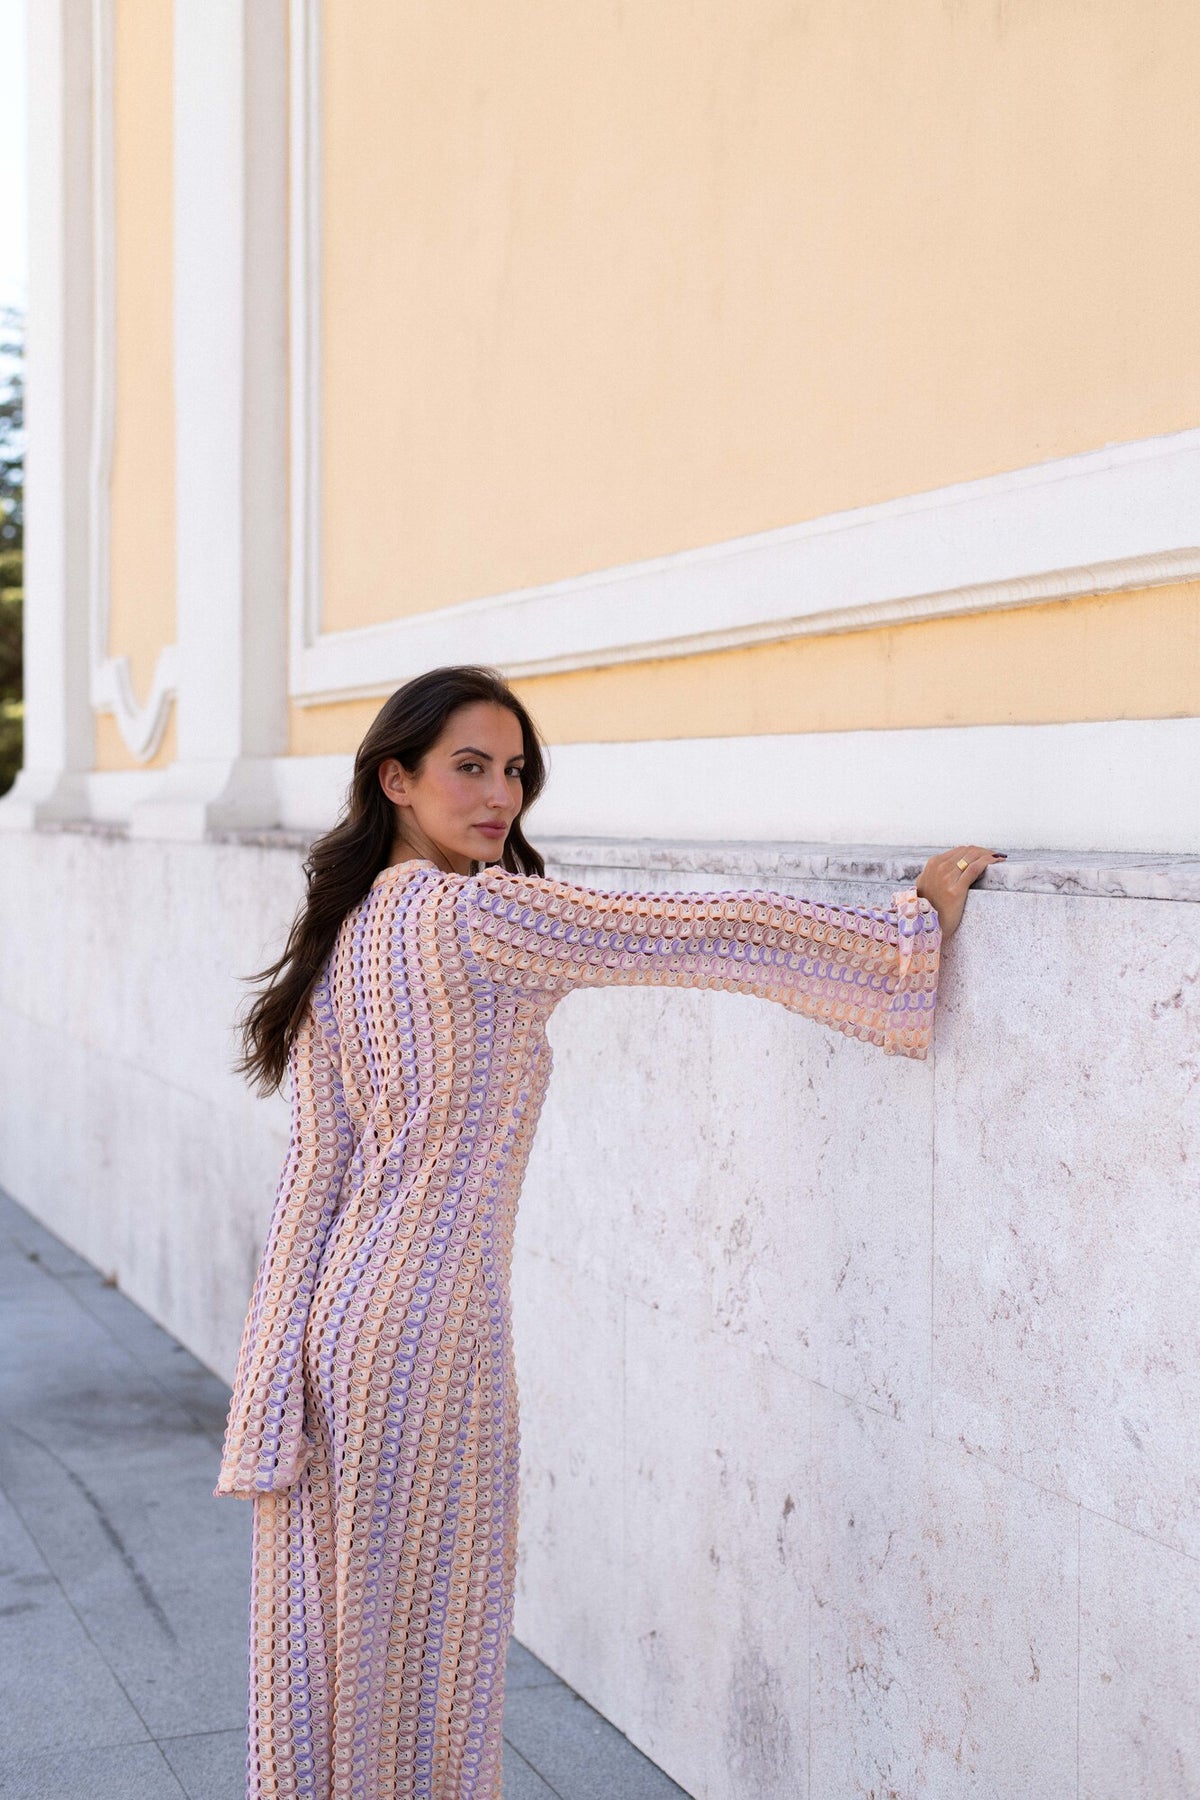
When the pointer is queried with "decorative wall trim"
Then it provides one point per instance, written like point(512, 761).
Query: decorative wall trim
point(304, 298)
point(141, 726)
point(596, 621)
point(1123, 786)
point(1115, 785)
point(1122, 517)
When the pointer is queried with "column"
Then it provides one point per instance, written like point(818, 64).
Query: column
point(231, 419)
point(59, 355)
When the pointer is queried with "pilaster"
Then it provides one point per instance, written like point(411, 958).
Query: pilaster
point(58, 369)
point(231, 418)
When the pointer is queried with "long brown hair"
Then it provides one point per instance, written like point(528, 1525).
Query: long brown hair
point(341, 865)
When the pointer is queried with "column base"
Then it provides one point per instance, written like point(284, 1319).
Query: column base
point(197, 798)
point(43, 797)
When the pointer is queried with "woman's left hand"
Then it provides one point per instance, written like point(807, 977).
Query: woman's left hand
point(945, 885)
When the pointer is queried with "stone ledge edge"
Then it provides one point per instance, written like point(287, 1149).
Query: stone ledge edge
point(1099, 875)
point(1107, 875)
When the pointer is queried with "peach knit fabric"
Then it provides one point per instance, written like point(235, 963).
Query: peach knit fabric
point(374, 1413)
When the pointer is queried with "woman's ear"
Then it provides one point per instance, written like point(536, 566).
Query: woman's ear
point(394, 780)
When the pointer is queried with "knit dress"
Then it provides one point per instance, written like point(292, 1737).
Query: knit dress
point(374, 1411)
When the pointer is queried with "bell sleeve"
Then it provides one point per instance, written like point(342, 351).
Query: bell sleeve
point(266, 1446)
point(870, 973)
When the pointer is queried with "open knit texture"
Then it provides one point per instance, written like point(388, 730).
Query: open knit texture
point(374, 1411)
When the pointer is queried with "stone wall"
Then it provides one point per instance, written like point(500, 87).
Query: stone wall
point(122, 1125)
point(861, 1452)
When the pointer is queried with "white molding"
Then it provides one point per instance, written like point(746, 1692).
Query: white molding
point(1110, 785)
point(312, 790)
point(1113, 786)
point(1121, 517)
point(141, 725)
point(113, 794)
point(304, 300)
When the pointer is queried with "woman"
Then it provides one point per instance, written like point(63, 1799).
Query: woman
point(374, 1417)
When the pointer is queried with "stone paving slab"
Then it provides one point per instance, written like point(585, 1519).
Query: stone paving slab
point(115, 1772)
point(579, 1755)
point(124, 1582)
point(56, 1692)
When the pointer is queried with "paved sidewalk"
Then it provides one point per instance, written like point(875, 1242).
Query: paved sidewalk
point(123, 1582)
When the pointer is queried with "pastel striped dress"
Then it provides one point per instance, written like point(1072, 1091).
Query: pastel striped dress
point(374, 1413)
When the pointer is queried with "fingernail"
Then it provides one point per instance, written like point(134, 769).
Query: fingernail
point(1000, 855)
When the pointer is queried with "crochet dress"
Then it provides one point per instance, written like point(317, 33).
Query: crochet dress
point(374, 1412)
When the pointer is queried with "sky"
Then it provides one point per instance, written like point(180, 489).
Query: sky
point(13, 273)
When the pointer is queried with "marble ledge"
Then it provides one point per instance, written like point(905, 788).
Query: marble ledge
point(1099, 874)
point(248, 837)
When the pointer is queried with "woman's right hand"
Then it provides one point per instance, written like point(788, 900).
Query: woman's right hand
point(945, 885)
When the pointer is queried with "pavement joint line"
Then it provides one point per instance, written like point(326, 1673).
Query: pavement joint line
point(90, 1273)
point(82, 1622)
point(113, 1744)
point(128, 1561)
point(170, 1771)
point(185, 1737)
point(534, 1770)
point(83, 1626)
point(560, 1683)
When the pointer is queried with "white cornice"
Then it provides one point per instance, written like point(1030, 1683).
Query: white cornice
point(1102, 785)
point(1123, 786)
point(141, 725)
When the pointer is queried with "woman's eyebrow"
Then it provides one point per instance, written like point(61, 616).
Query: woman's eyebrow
point(519, 757)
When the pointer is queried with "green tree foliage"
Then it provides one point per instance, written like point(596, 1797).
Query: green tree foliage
point(12, 541)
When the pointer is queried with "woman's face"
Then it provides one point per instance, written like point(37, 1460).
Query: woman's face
point(459, 805)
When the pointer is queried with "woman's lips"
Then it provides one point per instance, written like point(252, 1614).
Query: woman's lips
point(493, 830)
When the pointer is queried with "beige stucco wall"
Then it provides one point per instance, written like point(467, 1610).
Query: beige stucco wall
point(600, 288)
point(601, 283)
point(1108, 656)
point(142, 545)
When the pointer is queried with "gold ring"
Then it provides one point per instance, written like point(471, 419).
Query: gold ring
point(962, 862)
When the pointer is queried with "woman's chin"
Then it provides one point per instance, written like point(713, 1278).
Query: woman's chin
point(488, 847)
